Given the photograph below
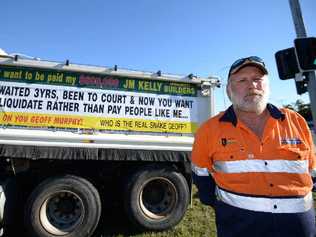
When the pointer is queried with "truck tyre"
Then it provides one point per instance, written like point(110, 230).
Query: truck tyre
point(156, 198)
point(67, 206)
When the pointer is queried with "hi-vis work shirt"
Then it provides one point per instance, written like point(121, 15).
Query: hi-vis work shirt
point(271, 174)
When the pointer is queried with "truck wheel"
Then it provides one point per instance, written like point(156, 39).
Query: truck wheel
point(157, 198)
point(67, 206)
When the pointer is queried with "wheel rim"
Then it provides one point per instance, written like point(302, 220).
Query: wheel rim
point(158, 198)
point(62, 212)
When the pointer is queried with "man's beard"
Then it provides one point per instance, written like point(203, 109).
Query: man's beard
point(247, 104)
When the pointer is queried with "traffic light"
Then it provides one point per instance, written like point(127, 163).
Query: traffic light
point(306, 53)
point(301, 85)
point(298, 62)
point(286, 63)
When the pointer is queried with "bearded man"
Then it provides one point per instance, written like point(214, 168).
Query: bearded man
point(255, 163)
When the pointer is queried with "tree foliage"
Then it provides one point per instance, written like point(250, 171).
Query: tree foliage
point(302, 108)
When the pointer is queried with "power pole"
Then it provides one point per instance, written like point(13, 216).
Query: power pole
point(301, 33)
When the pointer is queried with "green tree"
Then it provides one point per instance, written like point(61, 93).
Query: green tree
point(302, 108)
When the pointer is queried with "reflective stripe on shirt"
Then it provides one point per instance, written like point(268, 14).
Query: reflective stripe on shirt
point(243, 166)
point(273, 205)
point(199, 171)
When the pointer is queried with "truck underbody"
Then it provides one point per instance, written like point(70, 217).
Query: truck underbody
point(148, 186)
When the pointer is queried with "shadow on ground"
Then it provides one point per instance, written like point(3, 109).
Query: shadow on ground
point(114, 222)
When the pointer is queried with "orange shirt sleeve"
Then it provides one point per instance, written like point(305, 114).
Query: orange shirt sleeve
point(201, 148)
point(312, 157)
point(309, 141)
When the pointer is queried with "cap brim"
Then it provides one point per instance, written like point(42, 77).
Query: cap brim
point(249, 63)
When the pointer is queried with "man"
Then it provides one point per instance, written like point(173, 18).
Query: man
point(253, 163)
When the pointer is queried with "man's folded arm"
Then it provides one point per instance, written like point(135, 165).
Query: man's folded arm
point(205, 185)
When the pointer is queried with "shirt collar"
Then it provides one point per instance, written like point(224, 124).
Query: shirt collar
point(230, 116)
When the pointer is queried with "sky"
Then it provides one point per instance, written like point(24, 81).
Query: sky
point(203, 37)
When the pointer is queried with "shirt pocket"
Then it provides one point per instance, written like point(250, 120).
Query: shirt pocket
point(300, 152)
point(229, 155)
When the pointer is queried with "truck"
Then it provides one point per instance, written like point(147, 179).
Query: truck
point(75, 138)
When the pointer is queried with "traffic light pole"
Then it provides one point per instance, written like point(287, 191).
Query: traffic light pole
point(301, 33)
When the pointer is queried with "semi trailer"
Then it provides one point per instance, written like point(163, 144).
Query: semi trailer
point(75, 138)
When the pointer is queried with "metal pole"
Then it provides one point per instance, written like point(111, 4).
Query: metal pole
point(301, 33)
